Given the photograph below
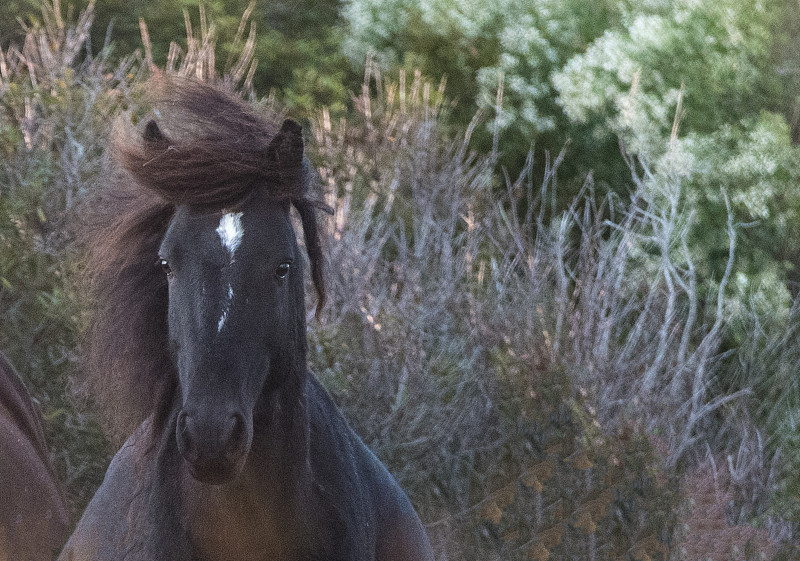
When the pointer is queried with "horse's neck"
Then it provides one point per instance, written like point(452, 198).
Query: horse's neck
point(280, 446)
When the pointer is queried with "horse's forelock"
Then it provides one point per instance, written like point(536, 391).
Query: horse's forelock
point(215, 151)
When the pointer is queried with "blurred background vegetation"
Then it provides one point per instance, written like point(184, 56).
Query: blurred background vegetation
point(565, 248)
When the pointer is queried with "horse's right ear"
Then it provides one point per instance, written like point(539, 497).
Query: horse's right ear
point(285, 155)
point(153, 137)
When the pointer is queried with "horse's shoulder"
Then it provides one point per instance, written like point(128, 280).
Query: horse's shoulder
point(400, 534)
point(108, 514)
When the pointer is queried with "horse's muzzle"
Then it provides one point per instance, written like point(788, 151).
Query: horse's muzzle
point(215, 447)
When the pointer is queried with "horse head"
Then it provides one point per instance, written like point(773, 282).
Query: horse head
point(236, 313)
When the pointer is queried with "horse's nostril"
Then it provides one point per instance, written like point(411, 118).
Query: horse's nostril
point(186, 440)
point(182, 423)
point(237, 437)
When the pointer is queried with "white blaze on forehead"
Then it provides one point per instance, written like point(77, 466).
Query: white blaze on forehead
point(230, 231)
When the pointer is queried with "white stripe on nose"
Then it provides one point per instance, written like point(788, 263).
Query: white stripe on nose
point(227, 306)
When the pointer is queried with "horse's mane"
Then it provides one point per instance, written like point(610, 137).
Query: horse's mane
point(215, 151)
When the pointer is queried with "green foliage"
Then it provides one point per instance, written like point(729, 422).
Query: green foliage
point(516, 43)
point(619, 70)
point(165, 21)
point(759, 168)
point(11, 12)
point(301, 60)
point(297, 43)
point(40, 311)
point(721, 53)
point(712, 64)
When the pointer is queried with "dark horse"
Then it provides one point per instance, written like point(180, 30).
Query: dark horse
point(201, 329)
point(33, 514)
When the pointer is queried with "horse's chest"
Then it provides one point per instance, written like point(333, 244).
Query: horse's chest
point(241, 528)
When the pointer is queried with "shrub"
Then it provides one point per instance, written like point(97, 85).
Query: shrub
point(51, 139)
point(462, 329)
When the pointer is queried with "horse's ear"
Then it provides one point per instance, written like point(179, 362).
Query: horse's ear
point(153, 137)
point(285, 153)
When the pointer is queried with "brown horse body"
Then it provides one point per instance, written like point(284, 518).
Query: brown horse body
point(33, 514)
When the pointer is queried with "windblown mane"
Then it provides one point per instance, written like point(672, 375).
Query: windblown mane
point(215, 152)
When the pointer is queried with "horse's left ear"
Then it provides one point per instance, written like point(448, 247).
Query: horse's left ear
point(285, 154)
point(154, 138)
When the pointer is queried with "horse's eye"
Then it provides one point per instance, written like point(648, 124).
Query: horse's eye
point(165, 267)
point(282, 270)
